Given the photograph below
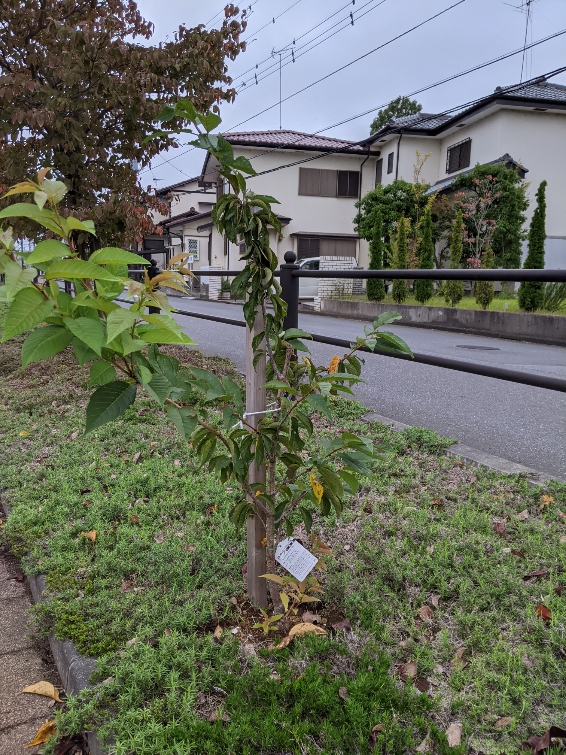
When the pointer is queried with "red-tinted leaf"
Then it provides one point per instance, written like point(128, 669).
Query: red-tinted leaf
point(499, 528)
point(558, 591)
point(537, 573)
point(543, 612)
point(517, 553)
point(425, 613)
point(422, 684)
point(342, 625)
point(537, 744)
point(408, 670)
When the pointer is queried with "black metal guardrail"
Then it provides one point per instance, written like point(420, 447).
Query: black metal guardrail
point(290, 273)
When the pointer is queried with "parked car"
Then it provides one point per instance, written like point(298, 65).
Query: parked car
point(308, 287)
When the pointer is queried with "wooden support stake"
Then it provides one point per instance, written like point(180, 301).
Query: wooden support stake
point(255, 402)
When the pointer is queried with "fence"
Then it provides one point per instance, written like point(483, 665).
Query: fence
point(289, 274)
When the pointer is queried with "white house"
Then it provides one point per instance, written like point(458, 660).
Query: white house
point(318, 179)
point(525, 127)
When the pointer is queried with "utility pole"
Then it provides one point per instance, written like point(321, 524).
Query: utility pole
point(281, 52)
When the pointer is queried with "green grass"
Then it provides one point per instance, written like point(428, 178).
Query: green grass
point(499, 304)
point(165, 566)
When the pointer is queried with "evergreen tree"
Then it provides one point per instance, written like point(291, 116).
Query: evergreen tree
point(531, 293)
point(376, 286)
point(424, 289)
point(484, 289)
point(454, 290)
point(399, 291)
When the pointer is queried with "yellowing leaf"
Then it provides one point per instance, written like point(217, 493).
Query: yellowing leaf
point(44, 734)
point(91, 535)
point(44, 688)
point(284, 599)
point(317, 488)
point(333, 366)
point(23, 433)
point(298, 630)
point(217, 632)
point(178, 258)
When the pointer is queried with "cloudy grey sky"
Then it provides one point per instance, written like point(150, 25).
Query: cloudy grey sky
point(473, 32)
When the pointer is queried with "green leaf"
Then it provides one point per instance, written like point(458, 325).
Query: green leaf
point(210, 121)
point(279, 385)
point(295, 333)
point(152, 334)
point(80, 225)
point(385, 318)
point(163, 321)
point(46, 218)
point(350, 479)
point(17, 277)
point(101, 372)
point(242, 163)
point(390, 342)
point(183, 420)
point(54, 190)
point(75, 269)
point(158, 387)
point(95, 303)
point(89, 331)
point(108, 402)
point(82, 352)
point(28, 309)
point(111, 255)
point(307, 517)
point(48, 250)
point(319, 404)
point(118, 321)
point(44, 342)
point(131, 345)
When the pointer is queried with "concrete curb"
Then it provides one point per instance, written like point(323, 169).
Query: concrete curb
point(74, 668)
point(475, 456)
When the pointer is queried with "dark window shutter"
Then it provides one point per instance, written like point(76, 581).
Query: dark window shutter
point(342, 183)
point(465, 153)
point(379, 172)
point(354, 183)
point(390, 157)
point(309, 182)
point(453, 162)
point(308, 247)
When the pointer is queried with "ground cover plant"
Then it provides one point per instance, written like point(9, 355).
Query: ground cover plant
point(500, 303)
point(430, 570)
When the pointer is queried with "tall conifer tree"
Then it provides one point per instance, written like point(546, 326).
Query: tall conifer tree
point(424, 289)
point(531, 293)
point(376, 286)
point(454, 290)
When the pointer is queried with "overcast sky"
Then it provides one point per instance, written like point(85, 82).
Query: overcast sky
point(473, 32)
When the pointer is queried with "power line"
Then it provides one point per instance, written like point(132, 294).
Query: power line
point(297, 51)
point(274, 19)
point(356, 60)
point(411, 94)
point(295, 39)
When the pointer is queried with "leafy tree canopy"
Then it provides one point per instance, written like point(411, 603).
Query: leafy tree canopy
point(79, 88)
point(396, 109)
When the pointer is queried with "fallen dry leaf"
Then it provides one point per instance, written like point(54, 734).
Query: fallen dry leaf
point(424, 745)
point(537, 744)
point(526, 661)
point(499, 527)
point(523, 516)
point(343, 693)
point(44, 688)
point(563, 539)
point(44, 734)
point(559, 591)
point(408, 670)
point(375, 732)
point(543, 612)
point(73, 436)
point(436, 502)
point(537, 573)
point(91, 535)
point(167, 632)
point(65, 745)
point(342, 625)
point(159, 538)
point(422, 684)
point(297, 630)
point(217, 632)
point(435, 600)
point(132, 642)
point(459, 662)
point(518, 553)
point(505, 721)
point(430, 549)
point(248, 649)
point(136, 457)
point(454, 735)
point(86, 503)
point(562, 515)
point(425, 613)
point(177, 462)
point(546, 500)
point(190, 548)
point(126, 585)
point(134, 519)
point(310, 618)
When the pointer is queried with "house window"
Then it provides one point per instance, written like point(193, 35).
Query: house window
point(315, 182)
point(390, 157)
point(192, 247)
point(308, 247)
point(379, 172)
point(348, 183)
point(458, 156)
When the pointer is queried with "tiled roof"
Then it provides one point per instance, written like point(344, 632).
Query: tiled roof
point(285, 139)
point(506, 159)
point(538, 90)
point(179, 185)
point(185, 216)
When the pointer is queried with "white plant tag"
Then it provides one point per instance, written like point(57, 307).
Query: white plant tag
point(298, 561)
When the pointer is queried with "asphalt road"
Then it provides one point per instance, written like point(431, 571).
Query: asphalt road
point(517, 422)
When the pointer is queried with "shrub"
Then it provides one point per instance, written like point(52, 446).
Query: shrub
point(424, 289)
point(376, 286)
point(531, 293)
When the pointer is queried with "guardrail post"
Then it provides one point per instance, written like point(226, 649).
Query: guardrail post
point(290, 290)
point(255, 402)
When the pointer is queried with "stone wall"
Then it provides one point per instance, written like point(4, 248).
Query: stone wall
point(334, 288)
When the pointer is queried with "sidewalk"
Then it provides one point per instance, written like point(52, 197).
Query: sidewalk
point(23, 661)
